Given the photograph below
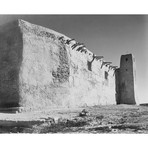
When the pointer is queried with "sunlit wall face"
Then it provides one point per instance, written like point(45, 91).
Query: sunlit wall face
point(109, 36)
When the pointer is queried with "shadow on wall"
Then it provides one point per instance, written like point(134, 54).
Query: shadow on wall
point(10, 58)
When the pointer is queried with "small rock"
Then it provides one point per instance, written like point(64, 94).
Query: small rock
point(83, 113)
point(100, 117)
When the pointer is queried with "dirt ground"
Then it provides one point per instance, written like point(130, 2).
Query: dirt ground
point(97, 119)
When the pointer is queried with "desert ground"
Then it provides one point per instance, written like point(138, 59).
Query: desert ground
point(97, 119)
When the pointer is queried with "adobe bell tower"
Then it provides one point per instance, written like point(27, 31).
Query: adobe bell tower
point(126, 80)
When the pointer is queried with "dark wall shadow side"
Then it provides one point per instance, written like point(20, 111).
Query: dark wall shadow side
point(11, 45)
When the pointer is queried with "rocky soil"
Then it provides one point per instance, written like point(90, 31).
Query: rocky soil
point(96, 119)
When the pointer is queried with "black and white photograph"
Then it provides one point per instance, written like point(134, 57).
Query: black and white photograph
point(74, 74)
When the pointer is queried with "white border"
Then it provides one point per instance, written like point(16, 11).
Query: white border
point(73, 7)
point(73, 140)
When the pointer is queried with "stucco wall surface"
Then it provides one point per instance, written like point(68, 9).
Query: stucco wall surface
point(45, 69)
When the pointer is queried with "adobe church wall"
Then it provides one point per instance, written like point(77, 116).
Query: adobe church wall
point(55, 71)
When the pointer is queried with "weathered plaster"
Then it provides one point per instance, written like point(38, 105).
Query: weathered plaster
point(45, 69)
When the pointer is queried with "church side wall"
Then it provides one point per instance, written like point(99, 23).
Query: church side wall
point(40, 71)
